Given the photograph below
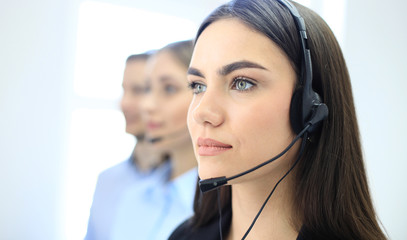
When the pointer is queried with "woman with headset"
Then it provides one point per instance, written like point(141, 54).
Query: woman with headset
point(264, 74)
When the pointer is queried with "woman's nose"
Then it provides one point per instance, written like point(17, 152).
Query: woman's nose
point(125, 103)
point(149, 102)
point(208, 109)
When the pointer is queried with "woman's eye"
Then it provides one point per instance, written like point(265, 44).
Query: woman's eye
point(169, 89)
point(147, 89)
point(197, 87)
point(242, 84)
point(137, 90)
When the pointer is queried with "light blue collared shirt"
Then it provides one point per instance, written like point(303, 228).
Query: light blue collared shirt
point(110, 189)
point(154, 210)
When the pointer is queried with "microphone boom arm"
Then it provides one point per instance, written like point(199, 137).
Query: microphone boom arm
point(213, 183)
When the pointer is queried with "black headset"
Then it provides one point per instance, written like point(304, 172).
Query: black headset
point(306, 105)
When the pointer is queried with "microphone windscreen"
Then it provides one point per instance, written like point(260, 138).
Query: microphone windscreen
point(212, 183)
point(154, 140)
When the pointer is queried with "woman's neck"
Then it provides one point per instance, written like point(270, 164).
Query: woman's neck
point(144, 156)
point(182, 159)
point(275, 221)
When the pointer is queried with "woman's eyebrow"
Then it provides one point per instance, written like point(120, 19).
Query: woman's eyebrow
point(239, 65)
point(196, 72)
point(166, 78)
point(227, 69)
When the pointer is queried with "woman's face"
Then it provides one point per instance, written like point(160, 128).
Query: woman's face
point(239, 114)
point(133, 88)
point(166, 102)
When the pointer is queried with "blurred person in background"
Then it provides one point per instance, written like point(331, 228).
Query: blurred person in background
point(154, 210)
point(144, 162)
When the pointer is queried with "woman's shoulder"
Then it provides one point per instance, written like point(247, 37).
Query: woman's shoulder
point(306, 234)
point(208, 231)
point(182, 231)
point(186, 231)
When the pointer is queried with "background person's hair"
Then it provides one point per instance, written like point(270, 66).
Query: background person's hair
point(331, 193)
point(137, 57)
point(182, 51)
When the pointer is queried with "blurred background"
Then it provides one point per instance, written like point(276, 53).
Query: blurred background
point(61, 67)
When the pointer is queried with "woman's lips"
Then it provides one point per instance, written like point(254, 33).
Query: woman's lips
point(153, 125)
point(210, 147)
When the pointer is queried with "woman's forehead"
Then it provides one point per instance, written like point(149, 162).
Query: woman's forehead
point(229, 40)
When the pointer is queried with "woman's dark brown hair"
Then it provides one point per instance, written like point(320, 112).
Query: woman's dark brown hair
point(332, 196)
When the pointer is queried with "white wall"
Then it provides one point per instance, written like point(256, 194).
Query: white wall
point(37, 44)
point(35, 70)
point(375, 49)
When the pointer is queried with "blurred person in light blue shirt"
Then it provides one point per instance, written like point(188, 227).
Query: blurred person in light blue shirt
point(153, 207)
point(144, 165)
point(159, 206)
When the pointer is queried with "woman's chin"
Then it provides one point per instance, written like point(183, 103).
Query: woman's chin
point(208, 172)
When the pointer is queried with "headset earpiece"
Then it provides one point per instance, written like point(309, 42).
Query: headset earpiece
point(307, 109)
point(296, 111)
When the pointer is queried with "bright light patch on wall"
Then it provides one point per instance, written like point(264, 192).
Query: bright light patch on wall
point(334, 14)
point(108, 33)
